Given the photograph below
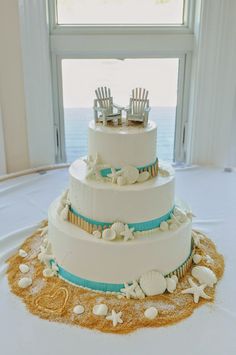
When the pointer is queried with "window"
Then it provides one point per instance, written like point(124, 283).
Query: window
point(101, 42)
point(117, 12)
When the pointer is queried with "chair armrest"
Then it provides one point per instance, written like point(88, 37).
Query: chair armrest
point(118, 107)
point(147, 109)
point(99, 109)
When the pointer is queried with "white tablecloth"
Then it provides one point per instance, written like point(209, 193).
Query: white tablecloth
point(210, 330)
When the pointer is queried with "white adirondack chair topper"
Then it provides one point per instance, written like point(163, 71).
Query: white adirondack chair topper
point(138, 109)
point(104, 108)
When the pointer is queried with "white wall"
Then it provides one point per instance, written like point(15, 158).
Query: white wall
point(12, 97)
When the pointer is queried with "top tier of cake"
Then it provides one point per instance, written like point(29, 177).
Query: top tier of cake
point(123, 145)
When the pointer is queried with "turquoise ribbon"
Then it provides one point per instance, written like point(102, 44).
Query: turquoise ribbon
point(105, 172)
point(140, 226)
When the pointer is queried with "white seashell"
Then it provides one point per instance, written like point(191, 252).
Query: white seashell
point(22, 253)
point(180, 214)
point(204, 275)
point(171, 284)
point(144, 176)
point(164, 226)
point(175, 278)
point(64, 213)
point(197, 258)
point(121, 180)
point(48, 272)
point(97, 234)
point(24, 268)
point(118, 227)
point(108, 234)
point(151, 313)
point(100, 310)
point(173, 227)
point(152, 283)
point(130, 173)
point(25, 282)
point(78, 309)
point(208, 259)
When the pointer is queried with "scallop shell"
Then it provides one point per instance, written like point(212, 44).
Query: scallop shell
point(197, 258)
point(24, 268)
point(175, 278)
point(144, 176)
point(131, 174)
point(108, 234)
point(25, 282)
point(22, 253)
point(118, 227)
point(121, 180)
point(100, 310)
point(97, 234)
point(151, 313)
point(171, 284)
point(204, 275)
point(164, 226)
point(78, 309)
point(152, 283)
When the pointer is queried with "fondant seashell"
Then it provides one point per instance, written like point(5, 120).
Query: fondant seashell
point(108, 234)
point(171, 284)
point(78, 309)
point(151, 313)
point(130, 173)
point(144, 176)
point(164, 226)
point(152, 283)
point(48, 272)
point(118, 227)
point(24, 268)
point(22, 253)
point(204, 275)
point(173, 227)
point(25, 282)
point(175, 278)
point(97, 234)
point(121, 180)
point(100, 310)
point(197, 258)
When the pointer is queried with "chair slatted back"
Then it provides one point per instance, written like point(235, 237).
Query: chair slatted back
point(139, 101)
point(104, 98)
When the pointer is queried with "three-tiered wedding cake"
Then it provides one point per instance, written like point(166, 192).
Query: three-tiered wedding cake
point(119, 222)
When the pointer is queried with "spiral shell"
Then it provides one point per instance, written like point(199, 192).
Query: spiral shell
point(152, 283)
point(204, 275)
point(108, 234)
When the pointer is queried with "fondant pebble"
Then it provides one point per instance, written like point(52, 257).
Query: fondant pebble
point(164, 226)
point(152, 283)
point(22, 253)
point(204, 275)
point(100, 310)
point(78, 309)
point(48, 272)
point(24, 268)
point(108, 234)
point(171, 284)
point(25, 282)
point(197, 258)
point(151, 313)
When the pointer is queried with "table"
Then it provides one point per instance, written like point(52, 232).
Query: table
point(210, 330)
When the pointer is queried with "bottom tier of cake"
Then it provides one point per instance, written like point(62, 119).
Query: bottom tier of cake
point(106, 266)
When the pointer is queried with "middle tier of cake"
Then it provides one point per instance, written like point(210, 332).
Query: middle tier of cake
point(143, 205)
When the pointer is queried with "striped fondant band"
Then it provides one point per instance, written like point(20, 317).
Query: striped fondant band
point(89, 225)
point(110, 287)
point(151, 168)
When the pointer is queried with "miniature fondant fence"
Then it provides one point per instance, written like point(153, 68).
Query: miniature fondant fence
point(110, 287)
point(152, 169)
point(90, 225)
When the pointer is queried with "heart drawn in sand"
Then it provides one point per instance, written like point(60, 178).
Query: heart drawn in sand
point(54, 301)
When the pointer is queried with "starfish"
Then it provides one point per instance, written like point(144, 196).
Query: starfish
point(127, 233)
point(94, 166)
point(115, 318)
point(197, 239)
point(196, 291)
point(114, 175)
point(132, 291)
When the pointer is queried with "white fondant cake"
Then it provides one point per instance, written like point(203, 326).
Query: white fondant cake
point(118, 220)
